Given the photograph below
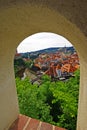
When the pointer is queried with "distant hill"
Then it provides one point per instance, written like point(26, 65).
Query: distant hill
point(47, 50)
point(35, 54)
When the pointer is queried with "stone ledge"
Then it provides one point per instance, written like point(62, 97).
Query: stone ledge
point(26, 123)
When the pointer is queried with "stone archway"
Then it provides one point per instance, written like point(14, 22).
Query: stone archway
point(19, 20)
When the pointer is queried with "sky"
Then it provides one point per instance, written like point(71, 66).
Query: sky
point(41, 41)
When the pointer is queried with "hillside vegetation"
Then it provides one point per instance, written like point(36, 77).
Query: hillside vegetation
point(52, 102)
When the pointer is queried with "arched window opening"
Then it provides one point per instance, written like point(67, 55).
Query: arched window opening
point(47, 79)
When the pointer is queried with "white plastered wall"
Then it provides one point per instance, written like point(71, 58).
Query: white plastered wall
point(18, 22)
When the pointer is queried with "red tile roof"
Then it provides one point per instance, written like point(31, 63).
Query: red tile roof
point(27, 123)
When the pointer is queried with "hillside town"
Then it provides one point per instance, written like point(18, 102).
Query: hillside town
point(59, 65)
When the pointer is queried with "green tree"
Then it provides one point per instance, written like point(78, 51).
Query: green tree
point(18, 64)
point(65, 97)
point(29, 64)
point(31, 102)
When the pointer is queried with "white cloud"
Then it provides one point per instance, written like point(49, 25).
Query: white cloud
point(42, 40)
